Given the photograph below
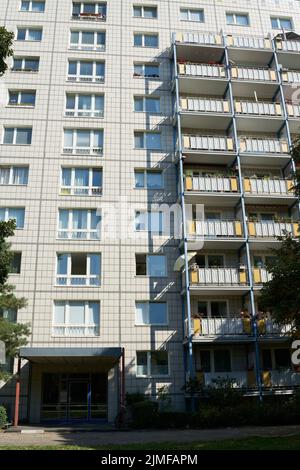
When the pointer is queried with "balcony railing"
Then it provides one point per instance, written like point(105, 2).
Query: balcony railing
point(81, 191)
point(200, 38)
point(79, 234)
point(84, 113)
point(83, 150)
point(246, 379)
point(204, 105)
point(284, 378)
point(74, 280)
point(271, 229)
point(210, 183)
point(258, 108)
point(290, 46)
point(238, 378)
point(290, 76)
point(202, 70)
point(249, 42)
point(268, 186)
point(253, 74)
point(86, 78)
point(218, 276)
point(261, 275)
point(89, 17)
point(76, 330)
point(293, 110)
point(263, 145)
point(87, 47)
point(216, 228)
point(211, 143)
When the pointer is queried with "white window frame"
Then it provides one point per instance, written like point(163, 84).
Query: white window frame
point(189, 10)
point(23, 69)
point(144, 147)
point(70, 230)
point(145, 172)
point(148, 255)
point(206, 255)
point(30, 6)
point(92, 112)
point(7, 217)
point(91, 150)
point(27, 29)
point(143, 75)
point(143, 11)
point(208, 306)
point(19, 103)
point(86, 78)
point(67, 325)
point(149, 374)
point(97, 12)
point(88, 278)
point(145, 99)
point(143, 40)
point(235, 14)
point(278, 21)
point(148, 222)
point(15, 135)
point(74, 190)
point(11, 174)
point(147, 302)
point(81, 46)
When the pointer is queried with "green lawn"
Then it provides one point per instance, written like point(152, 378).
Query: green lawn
point(253, 443)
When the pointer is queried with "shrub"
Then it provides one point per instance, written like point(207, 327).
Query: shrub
point(174, 419)
point(135, 398)
point(222, 393)
point(144, 414)
point(3, 417)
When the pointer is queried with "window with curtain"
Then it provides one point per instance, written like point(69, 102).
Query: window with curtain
point(76, 318)
point(13, 213)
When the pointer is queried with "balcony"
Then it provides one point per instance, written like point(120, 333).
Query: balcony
point(213, 231)
point(201, 39)
point(226, 188)
point(202, 78)
point(267, 114)
point(253, 147)
point(271, 229)
point(89, 17)
point(288, 52)
point(253, 74)
point(261, 275)
point(219, 279)
point(221, 147)
point(261, 189)
point(96, 151)
point(293, 111)
point(249, 42)
point(204, 113)
point(258, 50)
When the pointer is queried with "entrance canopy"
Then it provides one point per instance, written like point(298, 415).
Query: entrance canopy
point(74, 356)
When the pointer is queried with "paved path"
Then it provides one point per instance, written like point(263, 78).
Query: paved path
point(129, 437)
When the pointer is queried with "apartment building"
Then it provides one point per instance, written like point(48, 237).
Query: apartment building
point(116, 108)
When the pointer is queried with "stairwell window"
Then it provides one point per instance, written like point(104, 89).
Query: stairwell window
point(147, 140)
point(145, 40)
point(151, 313)
point(17, 135)
point(152, 363)
point(21, 98)
point(86, 71)
point(279, 22)
point(14, 175)
point(238, 19)
point(29, 34)
point(83, 141)
point(146, 70)
point(17, 213)
point(76, 318)
point(34, 6)
point(190, 14)
point(81, 181)
point(25, 64)
point(140, 11)
point(78, 269)
point(84, 105)
point(76, 224)
point(88, 40)
point(150, 265)
point(147, 104)
point(149, 221)
point(148, 179)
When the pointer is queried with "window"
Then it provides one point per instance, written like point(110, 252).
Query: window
point(88, 10)
point(140, 11)
point(203, 361)
point(210, 261)
point(213, 309)
point(75, 224)
point(266, 359)
point(78, 269)
point(222, 360)
point(148, 179)
point(86, 71)
point(152, 363)
point(29, 34)
point(25, 64)
point(149, 221)
point(279, 22)
point(238, 19)
point(150, 265)
point(146, 104)
point(17, 135)
point(146, 70)
point(151, 313)
point(17, 175)
point(83, 141)
point(147, 140)
point(7, 213)
point(81, 105)
point(188, 14)
point(282, 358)
point(145, 40)
point(88, 40)
point(21, 98)
point(76, 318)
point(35, 6)
point(9, 315)
point(81, 181)
point(15, 265)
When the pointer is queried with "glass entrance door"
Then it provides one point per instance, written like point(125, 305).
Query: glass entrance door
point(79, 400)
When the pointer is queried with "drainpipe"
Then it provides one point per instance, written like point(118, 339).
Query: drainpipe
point(17, 399)
point(122, 388)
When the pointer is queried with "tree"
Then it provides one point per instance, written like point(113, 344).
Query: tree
point(6, 39)
point(14, 335)
point(281, 295)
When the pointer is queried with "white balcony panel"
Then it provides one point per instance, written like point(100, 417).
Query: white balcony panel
point(221, 326)
point(239, 378)
point(203, 70)
point(258, 108)
point(269, 186)
point(211, 183)
point(215, 228)
point(218, 276)
point(204, 105)
point(272, 229)
point(248, 42)
point(252, 73)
